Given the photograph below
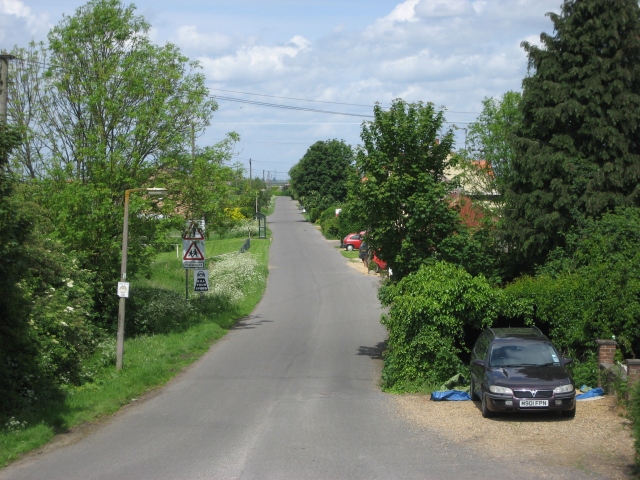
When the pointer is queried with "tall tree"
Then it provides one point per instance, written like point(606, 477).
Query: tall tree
point(577, 151)
point(320, 178)
point(401, 196)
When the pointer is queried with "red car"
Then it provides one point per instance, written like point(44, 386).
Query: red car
point(380, 264)
point(353, 241)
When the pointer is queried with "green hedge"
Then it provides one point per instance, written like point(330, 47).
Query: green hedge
point(431, 312)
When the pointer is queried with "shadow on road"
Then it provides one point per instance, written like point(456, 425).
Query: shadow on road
point(373, 352)
point(250, 321)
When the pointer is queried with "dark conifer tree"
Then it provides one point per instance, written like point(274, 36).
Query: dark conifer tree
point(578, 150)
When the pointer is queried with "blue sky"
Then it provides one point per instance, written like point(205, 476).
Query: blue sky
point(330, 55)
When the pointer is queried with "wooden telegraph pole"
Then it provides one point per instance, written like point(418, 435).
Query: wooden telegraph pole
point(4, 86)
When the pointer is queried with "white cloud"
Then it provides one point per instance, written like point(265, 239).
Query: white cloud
point(188, 36)
point(21, 12)
point(255, 62)
point(444, 8)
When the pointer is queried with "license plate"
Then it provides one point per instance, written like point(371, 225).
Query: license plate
point(534, 403)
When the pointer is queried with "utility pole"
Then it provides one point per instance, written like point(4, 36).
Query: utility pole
point(4, 86)
point(250, 175)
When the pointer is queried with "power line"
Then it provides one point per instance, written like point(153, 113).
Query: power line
point(288, 107)
point(316, 101)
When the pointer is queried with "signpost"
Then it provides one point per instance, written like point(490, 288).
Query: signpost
point(193, 256)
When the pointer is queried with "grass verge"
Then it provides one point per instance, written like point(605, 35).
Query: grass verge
point(150, 361)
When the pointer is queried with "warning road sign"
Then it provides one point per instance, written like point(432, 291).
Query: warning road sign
point(200, 280)
point(194, 252)
point(193, 232)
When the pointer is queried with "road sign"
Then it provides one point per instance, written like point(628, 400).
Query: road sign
point(123, 289)
point(200, 280)
point(192, 254)
point(193, 232)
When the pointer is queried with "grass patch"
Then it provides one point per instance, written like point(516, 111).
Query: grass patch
point(351, 255)
point(149, 361)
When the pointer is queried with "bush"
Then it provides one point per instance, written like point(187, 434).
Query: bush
point(314, 214)
point(431, 312)
point(330, 227)
point(152, 310)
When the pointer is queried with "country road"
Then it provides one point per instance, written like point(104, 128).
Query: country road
point(291, 393)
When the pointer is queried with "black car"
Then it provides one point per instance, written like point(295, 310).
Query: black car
point(519, 370)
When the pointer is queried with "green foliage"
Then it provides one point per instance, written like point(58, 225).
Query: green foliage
point(474, 250)
point(314, 215)
point(585, 370)
point(401, 199)
point(431, 312)
point(490, 137)
point(153, 310)
point(319, 179)
point(590, 290)
point(330, 223)
point(577, 153)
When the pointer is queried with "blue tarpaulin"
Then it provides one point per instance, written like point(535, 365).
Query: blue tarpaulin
point(594, 392)
point(451, 395)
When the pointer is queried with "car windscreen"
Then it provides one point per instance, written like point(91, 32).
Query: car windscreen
point(523, 354)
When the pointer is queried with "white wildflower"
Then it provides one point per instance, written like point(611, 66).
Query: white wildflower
point(69, 309)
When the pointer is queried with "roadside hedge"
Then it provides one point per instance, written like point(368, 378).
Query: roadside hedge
point(431, 311)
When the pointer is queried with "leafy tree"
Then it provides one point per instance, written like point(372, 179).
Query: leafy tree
point(320, 178)
point(401, 198)
point(490, 137)
point(203, 181)
point(577, 154)
point(489, 151)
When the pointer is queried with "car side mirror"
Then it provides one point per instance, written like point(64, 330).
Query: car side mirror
point(567, 361)
point(478, 362)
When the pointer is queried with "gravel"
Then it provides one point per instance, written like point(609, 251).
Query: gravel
point(597, 440)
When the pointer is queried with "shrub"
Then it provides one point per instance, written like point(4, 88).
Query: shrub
point(330, 227)
point(431, 312)
point(153, 310)
point(314, 214)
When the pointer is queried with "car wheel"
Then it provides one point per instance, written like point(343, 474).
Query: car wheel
point(486, 413)
point(569, 413)
point(472, 390)
point(349, 247)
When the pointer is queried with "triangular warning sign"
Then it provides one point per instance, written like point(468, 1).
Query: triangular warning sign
point(194, 232)
point(193, 252)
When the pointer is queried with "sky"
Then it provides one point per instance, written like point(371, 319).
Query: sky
point(321, 65)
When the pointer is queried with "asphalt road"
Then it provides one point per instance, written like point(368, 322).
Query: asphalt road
point(291, 393)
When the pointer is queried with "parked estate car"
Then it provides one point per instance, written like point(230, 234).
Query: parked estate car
point(353, 241)
point(519, 370)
